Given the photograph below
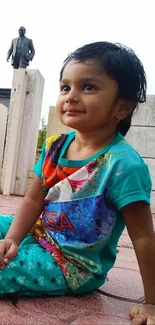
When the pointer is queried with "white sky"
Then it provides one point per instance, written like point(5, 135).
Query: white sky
point(59, 27)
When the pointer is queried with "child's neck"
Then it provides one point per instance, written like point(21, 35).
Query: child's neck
point(94, 140)
point(86, 145)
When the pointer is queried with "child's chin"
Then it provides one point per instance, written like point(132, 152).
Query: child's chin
point(70, 123)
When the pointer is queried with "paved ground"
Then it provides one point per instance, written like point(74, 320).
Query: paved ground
point(107, 306)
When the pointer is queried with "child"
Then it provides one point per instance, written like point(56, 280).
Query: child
point(88, 185)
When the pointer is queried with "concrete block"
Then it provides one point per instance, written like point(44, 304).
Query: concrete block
point(143, 140)
point(146, 113)
point(153, 201)
point(14, 130)
point(29, 135)
point(22, 132)
point(54, 126)
point(151, 164)
point(3, 122)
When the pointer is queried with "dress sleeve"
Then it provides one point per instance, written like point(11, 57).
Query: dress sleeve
point(131, 185)
point(38, 167)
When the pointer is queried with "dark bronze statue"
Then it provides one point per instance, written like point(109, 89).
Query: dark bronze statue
point(22, 50)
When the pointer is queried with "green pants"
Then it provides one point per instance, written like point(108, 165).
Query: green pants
point(33, 271)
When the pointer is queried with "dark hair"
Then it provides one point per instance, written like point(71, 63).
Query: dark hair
point(121, 64)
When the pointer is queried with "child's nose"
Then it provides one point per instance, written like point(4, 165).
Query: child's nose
point(72, 96)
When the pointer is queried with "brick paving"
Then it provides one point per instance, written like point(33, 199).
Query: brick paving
point(109, 305)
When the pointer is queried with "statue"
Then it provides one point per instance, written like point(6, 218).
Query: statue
point(22, 50)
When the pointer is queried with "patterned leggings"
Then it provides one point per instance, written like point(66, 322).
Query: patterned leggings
point(33, 271)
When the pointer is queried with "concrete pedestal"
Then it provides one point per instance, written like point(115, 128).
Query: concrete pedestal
point(3, 121)
point(22, 132)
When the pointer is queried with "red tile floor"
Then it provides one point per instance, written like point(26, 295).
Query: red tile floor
point(107, 306)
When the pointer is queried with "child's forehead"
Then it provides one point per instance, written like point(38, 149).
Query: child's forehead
point(74, 69)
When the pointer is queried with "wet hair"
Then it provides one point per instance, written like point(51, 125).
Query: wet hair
point(121, 64)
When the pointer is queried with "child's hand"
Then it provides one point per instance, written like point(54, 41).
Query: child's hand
point(8, 250)
point(143, 314)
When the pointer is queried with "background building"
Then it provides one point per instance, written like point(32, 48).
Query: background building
point(5, 96)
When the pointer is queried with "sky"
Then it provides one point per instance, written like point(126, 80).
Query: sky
point(59, 27)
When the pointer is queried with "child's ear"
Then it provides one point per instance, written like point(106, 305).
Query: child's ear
point(125, 109)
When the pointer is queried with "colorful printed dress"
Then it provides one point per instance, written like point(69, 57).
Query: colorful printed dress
point(82, 219)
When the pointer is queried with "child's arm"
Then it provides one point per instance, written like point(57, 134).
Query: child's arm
point(28, 212)
point(139, 223)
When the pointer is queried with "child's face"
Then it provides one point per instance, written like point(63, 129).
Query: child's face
point(87, 98)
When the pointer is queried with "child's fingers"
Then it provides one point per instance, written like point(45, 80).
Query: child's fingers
point(2, 251)
point(140, 320)
point(134, 311)
point(11, 253)
point(151, 320)
point(6, 260)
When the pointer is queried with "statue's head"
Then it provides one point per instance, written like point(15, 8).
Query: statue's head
point(22, 31)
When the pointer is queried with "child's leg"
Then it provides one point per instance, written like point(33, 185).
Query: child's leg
point(33, 271)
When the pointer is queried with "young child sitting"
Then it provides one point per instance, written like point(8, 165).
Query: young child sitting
point(89, 184)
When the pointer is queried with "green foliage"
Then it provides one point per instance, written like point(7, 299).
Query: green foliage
point(42, 133)
point(41, 138)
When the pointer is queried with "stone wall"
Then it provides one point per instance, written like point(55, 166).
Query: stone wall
point(54, 125)
point(5, 96)
point(142, 137)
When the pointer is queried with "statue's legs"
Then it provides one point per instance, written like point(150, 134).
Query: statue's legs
point(16, 61)
point(16, 64)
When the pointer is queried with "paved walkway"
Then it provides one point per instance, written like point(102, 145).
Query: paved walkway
point(107, 306)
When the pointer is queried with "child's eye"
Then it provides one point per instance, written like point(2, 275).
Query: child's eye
point(88, 87)
point(64, 88)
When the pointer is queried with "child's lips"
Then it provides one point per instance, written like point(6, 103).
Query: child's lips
point(74, 111)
